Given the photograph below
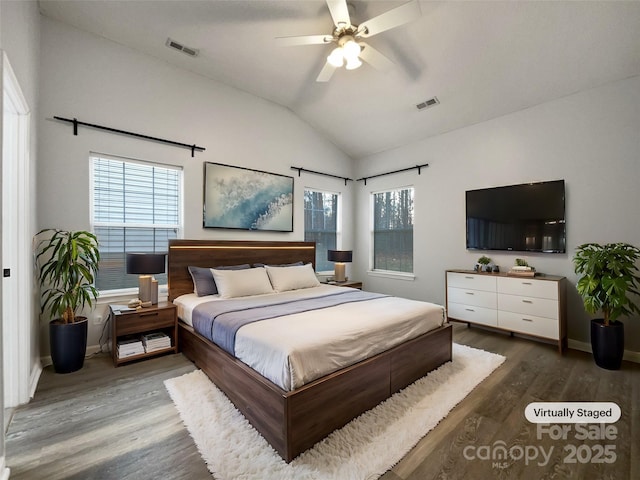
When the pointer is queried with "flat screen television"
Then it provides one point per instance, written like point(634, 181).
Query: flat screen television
point(520, 218)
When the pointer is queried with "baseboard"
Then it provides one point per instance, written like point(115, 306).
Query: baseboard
point(629, 355)
point(36, 372)
point(91, 350)
point(4, 471)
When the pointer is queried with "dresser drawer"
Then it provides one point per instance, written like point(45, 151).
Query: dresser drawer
point(528, 287)
point(529, 325)
point(474, 314)
point(140, 321)
point(540, 307)
point(466, 296)
point(471, 281)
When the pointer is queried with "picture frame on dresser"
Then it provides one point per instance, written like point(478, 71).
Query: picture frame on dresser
point(530, 306)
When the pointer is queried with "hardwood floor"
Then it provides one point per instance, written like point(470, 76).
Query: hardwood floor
point(107, 423)
point(104, 423)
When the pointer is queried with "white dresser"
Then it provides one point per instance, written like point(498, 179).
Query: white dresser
point(532, 306)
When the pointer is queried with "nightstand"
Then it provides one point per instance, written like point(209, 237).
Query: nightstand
point(348, 283)
point(162, 317)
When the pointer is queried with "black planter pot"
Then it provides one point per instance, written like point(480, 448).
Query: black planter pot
point(607, 343)
point(68, 344)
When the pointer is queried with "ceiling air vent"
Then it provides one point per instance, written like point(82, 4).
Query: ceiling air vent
point(428, 103)
point(192, 52)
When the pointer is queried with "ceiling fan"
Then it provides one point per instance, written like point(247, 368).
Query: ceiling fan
point(349, 47)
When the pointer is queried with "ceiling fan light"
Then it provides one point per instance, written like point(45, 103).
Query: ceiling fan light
point(353, 63)
point(351, 50)
point(336, 58)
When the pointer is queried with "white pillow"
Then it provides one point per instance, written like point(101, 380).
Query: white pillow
point(241, 283)
point(292, 278)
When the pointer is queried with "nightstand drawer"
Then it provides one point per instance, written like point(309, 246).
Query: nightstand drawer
point(141, 320)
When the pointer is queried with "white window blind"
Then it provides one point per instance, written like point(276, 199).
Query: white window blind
point(321, 224)
point(136, 208)
point(393, 230)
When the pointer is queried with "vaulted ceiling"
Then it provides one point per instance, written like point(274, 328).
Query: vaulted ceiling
point(480, 59)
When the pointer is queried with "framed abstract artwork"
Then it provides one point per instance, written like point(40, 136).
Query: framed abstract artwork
point(246, 199)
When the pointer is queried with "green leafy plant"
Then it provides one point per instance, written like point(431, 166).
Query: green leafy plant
point(520, 262)
point(484, 260)
point(608, 275)
point(67, 262)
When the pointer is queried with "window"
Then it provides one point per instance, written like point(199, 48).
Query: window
point(393, 230)
point(136, 208)
point(321, 224)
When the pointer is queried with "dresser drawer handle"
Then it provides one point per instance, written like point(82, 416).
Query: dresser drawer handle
point(469, 278)
point(527, 320)
point(527, 283)
point(469, 293)
point(154, 314)
point(469, 309)
point(527, 301)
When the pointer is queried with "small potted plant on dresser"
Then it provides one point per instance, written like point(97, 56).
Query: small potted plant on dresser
point(483, 264)
point(67, 262)
point(609, 282)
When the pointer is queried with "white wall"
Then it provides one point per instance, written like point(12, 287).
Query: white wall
point(98, 81)
point(589, 139)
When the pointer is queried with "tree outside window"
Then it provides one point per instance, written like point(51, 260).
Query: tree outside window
point(321, 224)
point(393, 214)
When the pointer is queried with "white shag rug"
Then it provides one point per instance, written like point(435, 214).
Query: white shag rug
point(363, 449)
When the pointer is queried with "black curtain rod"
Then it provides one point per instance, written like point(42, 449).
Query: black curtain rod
point(76, 122)
point(417, 167)
point(300, 169)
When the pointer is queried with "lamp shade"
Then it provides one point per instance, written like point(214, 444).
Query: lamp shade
point(145, 263)
point(339, 255)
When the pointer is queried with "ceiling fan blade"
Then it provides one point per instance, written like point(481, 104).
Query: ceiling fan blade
point(339, 12)
point(304, 40)
point(391, 19)
point(326, 73)
point(374, 58)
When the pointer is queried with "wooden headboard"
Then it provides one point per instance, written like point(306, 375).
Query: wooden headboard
point(215, 253)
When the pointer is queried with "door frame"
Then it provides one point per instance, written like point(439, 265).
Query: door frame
point(19, 380)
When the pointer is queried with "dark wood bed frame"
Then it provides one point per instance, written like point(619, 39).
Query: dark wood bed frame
point(294, 421)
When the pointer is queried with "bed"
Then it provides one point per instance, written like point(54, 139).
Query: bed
point(293, 417)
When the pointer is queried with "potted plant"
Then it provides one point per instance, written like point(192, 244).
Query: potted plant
point(67, 262)
point(609, 280)
point(484, 262)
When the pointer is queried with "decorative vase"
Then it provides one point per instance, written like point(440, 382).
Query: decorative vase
point(607, 343)
point(68, 344)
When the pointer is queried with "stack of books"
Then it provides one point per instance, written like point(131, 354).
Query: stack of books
point(522, 271)
point(130, 347)
point(155, 341)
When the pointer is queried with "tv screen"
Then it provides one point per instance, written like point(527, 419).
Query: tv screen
point(527, 218)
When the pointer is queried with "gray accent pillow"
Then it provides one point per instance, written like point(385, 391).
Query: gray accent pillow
point(203, 283)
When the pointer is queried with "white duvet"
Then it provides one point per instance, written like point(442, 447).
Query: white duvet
point(296, 349)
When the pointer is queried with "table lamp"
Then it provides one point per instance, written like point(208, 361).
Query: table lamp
point(340, 257)
point(146, 265)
